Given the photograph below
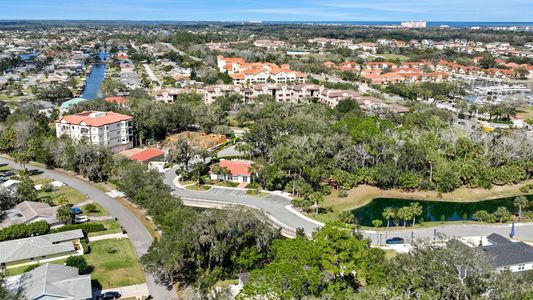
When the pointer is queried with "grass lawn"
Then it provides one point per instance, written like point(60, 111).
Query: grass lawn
point(196, 187)
point(225, 183)
point(73, 196)
point(115, 263)
point(22, 269)
point(256, 193)
point(394, 56)
point(390, 254)
point(98, 212)
point(152, 230)
point(111, 227)
point(526, 112)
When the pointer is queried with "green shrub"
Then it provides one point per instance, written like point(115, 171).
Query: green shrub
point(86, 248)
point(342, 194)
point(31, 267)
point(86, 227)
point(80, 263)
point(91, 208)
point(253, 185)
point(48, 188)
point(19, 231)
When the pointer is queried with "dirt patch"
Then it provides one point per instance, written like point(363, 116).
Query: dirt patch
point(200, 140)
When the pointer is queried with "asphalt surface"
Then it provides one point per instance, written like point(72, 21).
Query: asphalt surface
point(137, 233)
point(273, 205)
point(523, 232)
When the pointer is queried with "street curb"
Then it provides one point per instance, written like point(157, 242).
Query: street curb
point(291, 209)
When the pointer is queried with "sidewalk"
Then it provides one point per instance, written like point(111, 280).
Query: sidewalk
point(107, 237)
point(132, 291)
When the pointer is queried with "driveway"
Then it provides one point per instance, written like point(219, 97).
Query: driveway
point(273, 205)
point(139, 236)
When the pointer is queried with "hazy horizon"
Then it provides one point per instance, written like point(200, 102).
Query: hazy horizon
point(275, 10)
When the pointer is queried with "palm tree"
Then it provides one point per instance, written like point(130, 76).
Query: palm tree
point(405, 214)
point(416, 210)
point(388, 213)
point(520, 202)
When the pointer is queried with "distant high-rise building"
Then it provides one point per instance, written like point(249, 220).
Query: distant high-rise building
point(414, 24)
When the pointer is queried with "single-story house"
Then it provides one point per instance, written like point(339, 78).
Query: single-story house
point(52, 281)
point(237, 171)
point(39, 249)
point(504, 253)
point(28, 212)
point(65, 106)
point(509, 255)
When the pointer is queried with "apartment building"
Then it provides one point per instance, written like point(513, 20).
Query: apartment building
point(251, 73)
point(108, 129)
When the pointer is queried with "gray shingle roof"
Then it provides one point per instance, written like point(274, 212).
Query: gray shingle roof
point(497, 239)
point(55, 281)
point(506, 252)
point(38, 246)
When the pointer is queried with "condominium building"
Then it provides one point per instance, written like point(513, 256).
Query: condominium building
point(109, 129)
point(251, 73)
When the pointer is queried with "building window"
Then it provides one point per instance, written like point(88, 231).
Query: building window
point(521, 267)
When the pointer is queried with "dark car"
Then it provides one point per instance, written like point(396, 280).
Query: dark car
point(109, 295)
point(394, 241)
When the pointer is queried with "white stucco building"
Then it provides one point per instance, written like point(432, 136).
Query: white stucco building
point(109, 129)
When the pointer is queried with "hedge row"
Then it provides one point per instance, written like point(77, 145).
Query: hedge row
point(20, 231)
point(86, 227)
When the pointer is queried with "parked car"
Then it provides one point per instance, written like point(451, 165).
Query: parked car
point(81, 219)
point(76, 210)
point(109, 295)
point(395, 241)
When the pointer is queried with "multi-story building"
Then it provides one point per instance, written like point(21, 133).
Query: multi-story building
point(251, 73)
point(108, 129)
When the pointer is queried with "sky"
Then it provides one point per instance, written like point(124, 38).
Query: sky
point(270, 10)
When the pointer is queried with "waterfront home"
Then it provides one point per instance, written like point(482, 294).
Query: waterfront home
point(52, 281)
point(109, 129)
point(506, 255)
point(39, 249)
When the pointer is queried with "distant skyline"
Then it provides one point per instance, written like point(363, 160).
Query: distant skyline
point(271, 10)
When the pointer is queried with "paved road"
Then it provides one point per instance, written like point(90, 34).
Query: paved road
point(139, 236)
point(273, 205)
point(171, 47)
point(523, 232)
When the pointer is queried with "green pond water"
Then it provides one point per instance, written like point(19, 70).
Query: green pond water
point(431, 210)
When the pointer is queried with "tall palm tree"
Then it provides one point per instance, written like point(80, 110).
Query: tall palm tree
point(388, 213)
point(520, 202)
point(416, 210)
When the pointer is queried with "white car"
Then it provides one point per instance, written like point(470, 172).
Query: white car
point(81, 219)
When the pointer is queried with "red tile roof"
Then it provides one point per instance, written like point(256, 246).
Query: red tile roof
point(94, 118)
point(147, 154)
point(237, 167)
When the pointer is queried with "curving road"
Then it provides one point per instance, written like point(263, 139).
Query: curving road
point(273, 205)
point(137, 233)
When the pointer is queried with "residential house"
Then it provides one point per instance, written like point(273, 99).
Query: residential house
point(39, 249)
point(238, 171)
point(29, 212)
point(52, 281)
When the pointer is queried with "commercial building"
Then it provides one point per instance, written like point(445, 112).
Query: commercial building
point(109, 129)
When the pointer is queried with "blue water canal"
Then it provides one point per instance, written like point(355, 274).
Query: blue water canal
point(95, 79)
